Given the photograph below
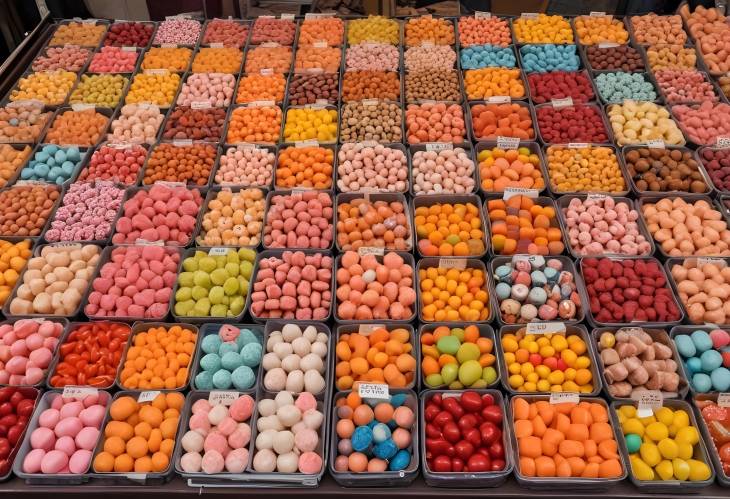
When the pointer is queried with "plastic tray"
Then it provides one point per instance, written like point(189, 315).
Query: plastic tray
point(45, 110)
point(658, 335)
point(478, 138)
point(432, 199)
point(355, 103)
point(671, 262)
point(583, 51)
point(330, 146)
point(25, 447)
point(390, 197)
point(553, 189)
point(393, 145)
point(104, 111)
point(582, 72)
point(722, 479)
point(118, 146)
point(36, 394)
point(635, 142)
point(188, 183)
point(687, 330)
point(61, 339)
point(416, 148)
point(85, 153)
point(152, 35)
point(606, 124)
point(286, 194)
point(229, 119)
point(211, 195)
point(269, 185)
point(533, 147)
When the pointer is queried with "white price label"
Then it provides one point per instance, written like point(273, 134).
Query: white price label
point(266, 17)
point(452, 263)
point(200, 104)
point(597, 13)
point(520, 191)
point(148, 396)
point(648, 402)
point(171, 185)
point(370, 250)
point(78, 392)
point(145, 242)
point(545, 328)
point(719, 262)
point(316, 105)
point(439, 146)
point(120, 145)
point(596, 197)
point(320, 44)
point(246, 145)
point(218, 251)
point(159, 72)
point(287, 17)
point(306, 143)
point(531, 259)
point(321, 102)
point(564, 102)
point(373, 391)
point(129, 49)
point(261, 103)
point(80, 106)
point(182, 142)
point(723, 399)
point(578, 145)
point(482, 15)
point(632, 330)
point(369, 102)
point(20, 183)
point(270, 44)
point(608, 45)
point(564, 397)
point(723, 142)
point(368, 329)
point(508, 142)
point(266, 72)
point(318, 15)
point(655, 144)
point(222, 398)
point(711, 325)
point(67, 245)
point(168, 45)
point(529, 15)
point(427, 44)
point(216, 45)
point(314, 71)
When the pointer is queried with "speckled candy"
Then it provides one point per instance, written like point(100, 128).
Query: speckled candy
point(549, 57)
point(178, 30)
point(86, 213)
point(486, 56)
point(615, 87)
point(235, 364)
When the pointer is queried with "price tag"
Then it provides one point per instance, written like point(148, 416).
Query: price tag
point(68, 245)
point(723, 142)
point(559, 103)
point(218, 251)
point(318, 15)
point(508, 142)
point(129, 49)
point(287, 17)
point(598, 14)
point(655, 144)
point(216, 45)
point(369, 143)
point(171, 185)
point(367, 329)
point(29, 182)
point(439, 146)
point(648, 402)
point(369, 102)
point(478, 14)
point(520, 191)
point(120, 145)
point(78, 392)
point(146, 105)
point(596, 197)
point(306, 143)
point(145, 242)
point(200, 104)
point(719, 262)
point(452, 263)
point(530, 16)
point(261, 103)
point(498, 99)
point(321, 102)
point(320, 44)
point(266, 71)
point(26, 102)
point(545, 328)
point(427, 44)
point(577, 145)
point(316, 105)
point(148, 396)
point(607, 45)
point(266, 17)
point(182, 142)
point(222, 398)
point(314, 71)
point(169, 45)
point(370, 250)
point(80, 106)
point(564, 397)
point(723, 399)
point(159, 72)
point(632, 330)
point(711, 325)
point(270, 44)
point(88, 21)
point(373, 391)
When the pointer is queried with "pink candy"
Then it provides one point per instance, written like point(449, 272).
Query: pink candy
point(372, 57)
point(294, 286)
point(136, 282)
point(680, 86)
point(299, 221)
point(245, 166)
point(26, 350)
point(703, 124)
point(71, 58)
point(136, 123)
point(86, 212)
point(601, 226)
point(115, 164)
point(113, 60)
point(426, 58)
point(179, 30)
point(161, 213)
point(214, 88)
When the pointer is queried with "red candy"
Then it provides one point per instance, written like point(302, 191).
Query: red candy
point(280, 31)
point(228, 32)
point(113, 60)
point(622, 291)
point(558, 85)
point(717, 164)
point(579, 123)
point(129, 34)
point(118, 165)
point(16, 407)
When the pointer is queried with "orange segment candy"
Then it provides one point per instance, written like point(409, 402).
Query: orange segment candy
point(449, 229)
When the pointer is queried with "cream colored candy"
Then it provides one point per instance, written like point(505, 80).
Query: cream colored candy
point(639, 122)
point(241, 165)
point(378, 167)
point(136, 123)
point(447, 171)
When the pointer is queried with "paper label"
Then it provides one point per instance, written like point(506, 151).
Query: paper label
point(88, 21)
point(370, 250)
point(266, 17)
point(482, 15)
point(318, 15)
point(648, 402)
point(316, 105)
point(498, 99)
point(545, 328)
point(171, 185)
point(564, 397)
point(68, 245)
point(508, 142)
point(320, 44)
point(218, 251)
point(222, 398)
point(373, 391)
point(129, 49)
point(711, 325)
point(655, 144)
point(169, 45)
point(30, 182)
point(723, 142)
point(520, 191)
point(531, 259)
point(261, 103)
point(145, 242)
point(607, 45)
point(314, 71)
point(216, 45)
point(321, 102)
point(723, 399)
point(182, 142)
point(596, 197)
point(200, 104)
point(287, 17)
point(80, 106)
point(79, 392)
point(719, 262)
point(146, 105)
point(306, 143)
point(266, 71)
point(565, 102)
point(270, 44)
point(369, 143)
point(120, 145)
point(162, 72)
point(369, 102)
point(632, 330)
point(148, 396)
point(598, 14)
point(452, 263)
point(529, 15)
point(577, 145)
point(246, 145)
point(367, 329)
point(439, 146)
point(427, 44)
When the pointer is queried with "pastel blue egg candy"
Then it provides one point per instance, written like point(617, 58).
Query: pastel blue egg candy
point(243, 378)
point(247, 336)
point(60, 156)
point(211, 343)
point(551, 274)
point(222, 379)
point(566, 290)
point(50, 161)
point(701, 340)
point(400, 461)
point(537, 296)
point(68, 168)
point(251, 354)
point(362, 437)
point(51, 149)
point(231, 360)
point(227, 346)
point(537, 262)
point(694, 365)
point(26, 173)
point(503, 290)
point(41, 169)
point(204, 380)
point(210, 362)
point(701, 382)
point(397, 400)
point(720, 379)
point(503, 272)
point(385, 450)
point(73, 153)
point(42, 156)
point(538, 278)
point(711, 360)
point(381, 433)
point(685, 345)
point(60, 180)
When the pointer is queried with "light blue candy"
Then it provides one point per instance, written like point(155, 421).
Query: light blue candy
point(537, 296)
point(400, 461)
point(551, 274)
point(362, 438)
point(73, 154)
point(503, 273)
point(381, 433)
point(52, 149)
point(243, 378)
point(701, 340)
point(701, 382)
point(483, 56)
point(41, 156)
point(685, 345)
point(397, 400)
point(694, 365)
point(503, 290)
point(247, 336)
point(211, 343)
point(384, 450)
point(615, 87)
point(60, 156)
point(251, 354)
point(538, 278)
point(549, 57)
point(210, 362)
point(711, 360)
point(231, 360)
point(227, 346)
point(204, 380)
point(720, 378)
point(222, 379)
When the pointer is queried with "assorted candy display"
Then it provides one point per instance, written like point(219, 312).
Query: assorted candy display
point(266, 250)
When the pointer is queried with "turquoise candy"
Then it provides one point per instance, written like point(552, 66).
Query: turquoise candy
point(400, 461)
point(701, 340)
point(40, 170)
point(615, 87)
point(711, 360)
point(549, 57)
point(52, 149)
point(204, 381)
point(210, 362)
point(251, 354)
point(73, 154)
point(503, 273)
point(227, 346)
point(720, 378)
point(685, 345)
point(222, 379)
point(243, 378)
point(694, 365)
point(60, 156)
point(211, 343)
point(633, 442)
point(383, 450)
point(503, 290)
point(52, 164)
point(485, 56)
point(231, 360)
point(247, 336)
point(362, 437)
point(701, 382)
point(397, 400)
point(41, 156)
point(381, 433)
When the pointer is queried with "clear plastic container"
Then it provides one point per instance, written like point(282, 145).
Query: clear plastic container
point(533, 147)
point(553, 189)
point(722, 478)
point(687, 330)
point(414, 149)
point(288, 194)
point(35, 394)
point(389, 197)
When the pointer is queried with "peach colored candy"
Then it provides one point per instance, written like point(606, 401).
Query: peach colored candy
point(136, 123)
point(11, 159)
point(652, 28)
point(703, 289)
point(361, 166)
point(429, 29)
point(368, 56)
point(374, 287)
point(242, 165)
point(680, 86)
point(327, 29)
point(447, 171)
point(178, 30)
point(273, 30)
point(592, 30)
point(22, 122)
point(437, 122)
point(299, 220)
point(278, 59)
point(113, 60)
point(662, 56)
point(83, 128)
point(423, 58)
point(686, 228)
point(213, 88)
point(226, 31)
point(255, 87)
point(484, 31)
point(217, 60)
point(380, 224)
point(325, 58)
point(710, 30)
point(170, 58)
point(77, 33)
point(705, 123)
point(70, 58)
point(233, 218)
point(293, 286)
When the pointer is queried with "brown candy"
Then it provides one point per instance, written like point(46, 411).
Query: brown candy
point(436, 84)
point(623, 57)
point(309, 88)
point(662, 170)
point(196, 124)
point(380, 121)
point(359, 85)
point(170, 163)
point(25, 209)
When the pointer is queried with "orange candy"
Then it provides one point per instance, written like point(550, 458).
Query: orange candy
point(254, 124)
point(82, 128)
point(490, 121)
point(158, 358)
point(278, 59)
point(305, 167)
point(255, 87)
point(328, 29)
point(449, 230)
point(483, 83)
point(522, 225)
point(380, 356)
point(500, 168)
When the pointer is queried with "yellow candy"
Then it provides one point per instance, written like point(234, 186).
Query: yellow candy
point(684, 450)
point(688, 434)
point(665, 470)
point(681, 469)
point(664, 415)
point(311, 124)
point(698, 471)
point(633, 425)
point(103, 90)
point(544, 29)
point(153, 88)
point(640, 469)
point(668, 448)
point(50, 87)
point(373, 29)
point(650, 454)
point(628, 410)
point(657, 431)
